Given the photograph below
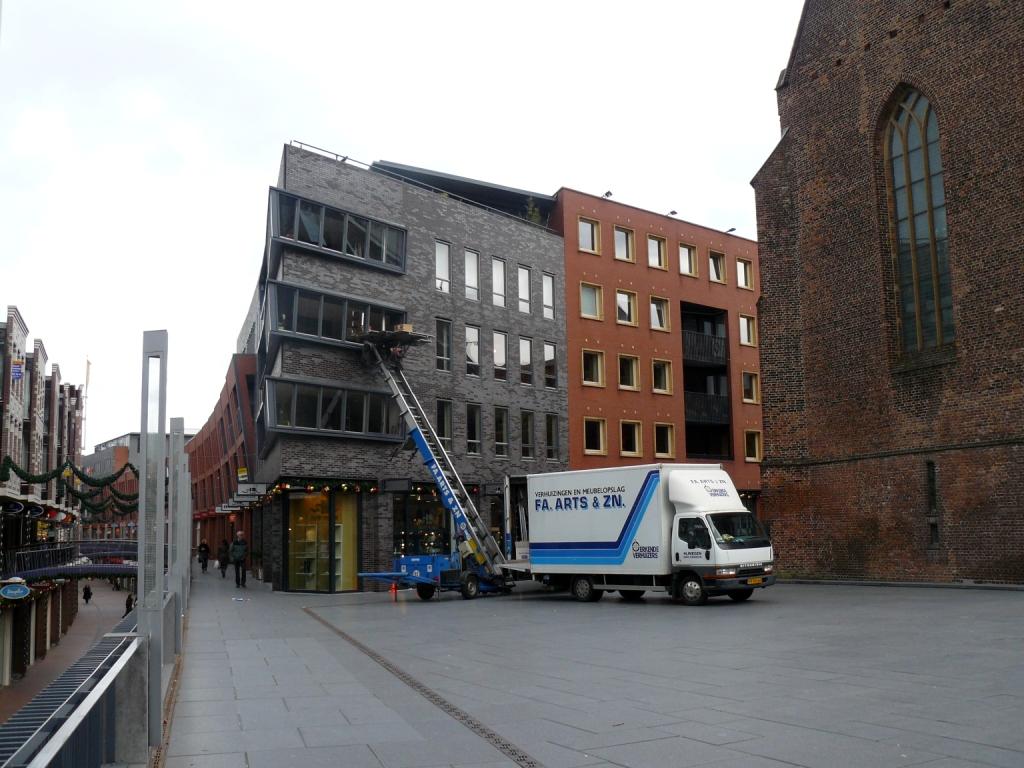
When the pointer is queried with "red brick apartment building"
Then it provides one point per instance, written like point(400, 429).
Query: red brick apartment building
point(889, 220)
point(106, 459)
point(661, 327)
point(221, 455)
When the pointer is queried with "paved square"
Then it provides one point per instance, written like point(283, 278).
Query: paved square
point(801, 675)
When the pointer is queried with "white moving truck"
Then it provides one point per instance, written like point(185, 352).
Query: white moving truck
point(676, 528)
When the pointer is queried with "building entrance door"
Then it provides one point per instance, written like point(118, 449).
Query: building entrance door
point(346, 537)
point(309, 546)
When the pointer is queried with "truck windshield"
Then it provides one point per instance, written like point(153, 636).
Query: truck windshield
point(738, 530)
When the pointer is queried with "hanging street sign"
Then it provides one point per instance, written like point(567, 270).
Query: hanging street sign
point(17, 368)
point(14, 591)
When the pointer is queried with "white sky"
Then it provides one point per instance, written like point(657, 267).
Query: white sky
point(137, 142)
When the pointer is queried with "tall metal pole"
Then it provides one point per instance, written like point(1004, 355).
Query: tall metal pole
point(174, 524)
point(185, 528)
point(153, 460)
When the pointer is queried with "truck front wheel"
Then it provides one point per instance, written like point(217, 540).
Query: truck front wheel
point(691, 591)
point(470, 586)
point(584, 591)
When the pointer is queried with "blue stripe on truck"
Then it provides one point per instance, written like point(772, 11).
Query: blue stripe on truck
point(600, 552)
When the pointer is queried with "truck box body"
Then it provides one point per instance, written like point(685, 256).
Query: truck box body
point(608, 520)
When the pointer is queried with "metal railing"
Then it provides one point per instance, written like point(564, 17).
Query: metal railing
point(705, 348)
point(72, 722)
point(702, 408)
point(35, 559)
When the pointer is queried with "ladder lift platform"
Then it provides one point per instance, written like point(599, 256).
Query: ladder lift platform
point(474, 562)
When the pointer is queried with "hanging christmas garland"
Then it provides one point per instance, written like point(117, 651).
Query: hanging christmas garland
point(7, 466)
point(116, 501)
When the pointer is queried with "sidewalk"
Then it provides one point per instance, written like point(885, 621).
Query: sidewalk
point(265, 685)
point(93, 620)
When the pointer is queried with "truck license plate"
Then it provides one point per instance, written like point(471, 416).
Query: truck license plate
point(755, 580)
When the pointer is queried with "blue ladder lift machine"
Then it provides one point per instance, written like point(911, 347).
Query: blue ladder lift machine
point(473, 563)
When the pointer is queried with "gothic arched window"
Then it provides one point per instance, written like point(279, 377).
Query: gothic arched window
point(920, 243)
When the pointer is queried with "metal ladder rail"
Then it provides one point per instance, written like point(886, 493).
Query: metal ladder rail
point(416, 420)
point(483, 536)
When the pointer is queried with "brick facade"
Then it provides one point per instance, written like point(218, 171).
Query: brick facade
point(687, 290)
point(881, 463)
point(426, 216)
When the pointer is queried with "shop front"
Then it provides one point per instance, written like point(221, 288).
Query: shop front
point(322, 541)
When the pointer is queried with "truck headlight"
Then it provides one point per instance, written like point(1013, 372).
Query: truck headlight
point(725, 572)
point(768, 569)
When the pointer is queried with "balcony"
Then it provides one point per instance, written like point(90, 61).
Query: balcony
point(706, 409)
point(703, 348)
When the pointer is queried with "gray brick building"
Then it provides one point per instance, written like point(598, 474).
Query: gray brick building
point(351, 249)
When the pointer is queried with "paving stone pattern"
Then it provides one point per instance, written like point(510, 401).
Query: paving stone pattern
point(801, 675)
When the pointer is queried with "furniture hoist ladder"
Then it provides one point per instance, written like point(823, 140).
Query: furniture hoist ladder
point(480, 553)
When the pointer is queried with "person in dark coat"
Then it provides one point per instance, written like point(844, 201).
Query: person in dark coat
point(86, 593)
point(204, 554)
point(239, 549)
point(222, 557)
point(129, 603)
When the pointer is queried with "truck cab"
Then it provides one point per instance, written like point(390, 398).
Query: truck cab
point(718, 546)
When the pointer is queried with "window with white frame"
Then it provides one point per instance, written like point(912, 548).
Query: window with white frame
point(744, 274)
point(442, 267)
point(550, 366)
point(659, 314)
point(630, 440)
point(472, 275)
point(594, 439)
point(525, 360)
point(625, 308)
point(443, 345)
point(661, 376)
point(591, 299)
point(589, 234)
point(751, 387)
point(624, 250)
point(664, 441)
point(752, 445)
point(716, 266)
point(656, 252)
point(629, 372)
point(474, 429)
point(687, 260)
point(748, 331)
point(526, 434)
point(443, 425)
point(500, 431)
point(472, 351)
point(524, 289)
point(551, 436)
point(498, 282)
point(593, 368)
point(500, 356)
point(548, 295)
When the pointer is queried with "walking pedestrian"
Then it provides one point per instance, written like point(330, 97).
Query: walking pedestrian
point(87, 593)
point(204, 554)
point(239, 549)
point(129, 603)
point(223, 553)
